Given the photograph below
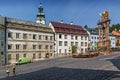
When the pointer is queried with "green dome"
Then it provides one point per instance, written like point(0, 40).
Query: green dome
point(40, 6)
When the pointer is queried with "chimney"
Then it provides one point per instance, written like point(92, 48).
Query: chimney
point(71, 23)
point(61, 21)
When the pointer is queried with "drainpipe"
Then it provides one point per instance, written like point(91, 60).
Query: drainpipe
point(5, 48)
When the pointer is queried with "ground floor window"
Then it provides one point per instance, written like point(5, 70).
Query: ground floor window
point(39, 55)
point(65, 51)
point(24, 55)
point(33, 55)
point(1, 52)
point(17, 56)
point(9, 56)
point(81, 50)
point(86, 49)
point(59, 50)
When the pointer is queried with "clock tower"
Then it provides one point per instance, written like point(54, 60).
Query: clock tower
point(40, 15)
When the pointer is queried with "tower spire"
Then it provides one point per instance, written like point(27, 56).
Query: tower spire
point(40, 15)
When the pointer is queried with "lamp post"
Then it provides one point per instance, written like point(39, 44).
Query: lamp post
point(54, 54)
point(1, 60)
point(70, 51)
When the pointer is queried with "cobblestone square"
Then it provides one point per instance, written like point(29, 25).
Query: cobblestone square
point(67, 68)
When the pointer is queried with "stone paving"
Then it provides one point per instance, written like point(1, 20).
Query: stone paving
point(67, 68)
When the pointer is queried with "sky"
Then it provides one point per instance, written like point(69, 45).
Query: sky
point(81, 12)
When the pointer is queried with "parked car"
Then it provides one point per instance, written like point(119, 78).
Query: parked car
point(23, 60)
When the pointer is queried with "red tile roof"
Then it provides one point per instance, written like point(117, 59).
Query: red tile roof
point(68, 28)
point(115, 33)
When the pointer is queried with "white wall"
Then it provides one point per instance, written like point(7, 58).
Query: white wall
point(28, 41)
point(69, 40)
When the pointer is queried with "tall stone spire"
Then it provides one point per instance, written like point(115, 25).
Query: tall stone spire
point(40, 15)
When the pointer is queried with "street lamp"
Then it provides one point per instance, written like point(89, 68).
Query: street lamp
point(1, 60)
point(70, 51)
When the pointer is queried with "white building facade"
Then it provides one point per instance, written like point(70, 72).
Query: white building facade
point(67, 35)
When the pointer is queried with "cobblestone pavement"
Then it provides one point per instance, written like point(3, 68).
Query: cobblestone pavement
point(67, 68)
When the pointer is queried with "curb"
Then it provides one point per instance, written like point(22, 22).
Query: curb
point(114, 77)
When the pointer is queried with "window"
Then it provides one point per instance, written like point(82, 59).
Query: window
point(72, 37)
point(86, 49)
point(76, 44)
point(82, 50)
point(40, 46)
point(17, 46)
point(9, 56)
point(60, 36)
point(72, 43)
point(17, 56)
point(92, 37)
point(81, 43)
point(9, 46)
point(39, 55)
point(34, 46)
point(24, 36)
point(85, 43)
point(24, 46)
point(65, 43)
point(24, 55)
point(17, 35)
point(51, 46)
point(2, 53)
point(46, 47)
point(85, 37)
point(81, 37)
point(33, 55)
point(65, 51)
point(60, 43)
point(40, 37)
point(65, 37)
point(76, 37)
point(113, 42)
point(51, 38)
point(9, 35)
point(34, 36)
point(59, 50)
point(2, 43)
point(46, 37)
point(117, 41)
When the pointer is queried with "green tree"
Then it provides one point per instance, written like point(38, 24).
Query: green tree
point(115, 26)
point(74, 49)
point(117, 44)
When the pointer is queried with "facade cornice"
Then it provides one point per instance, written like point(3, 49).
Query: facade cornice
point(71, 33)
point(28, 27)
point(2, 26)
